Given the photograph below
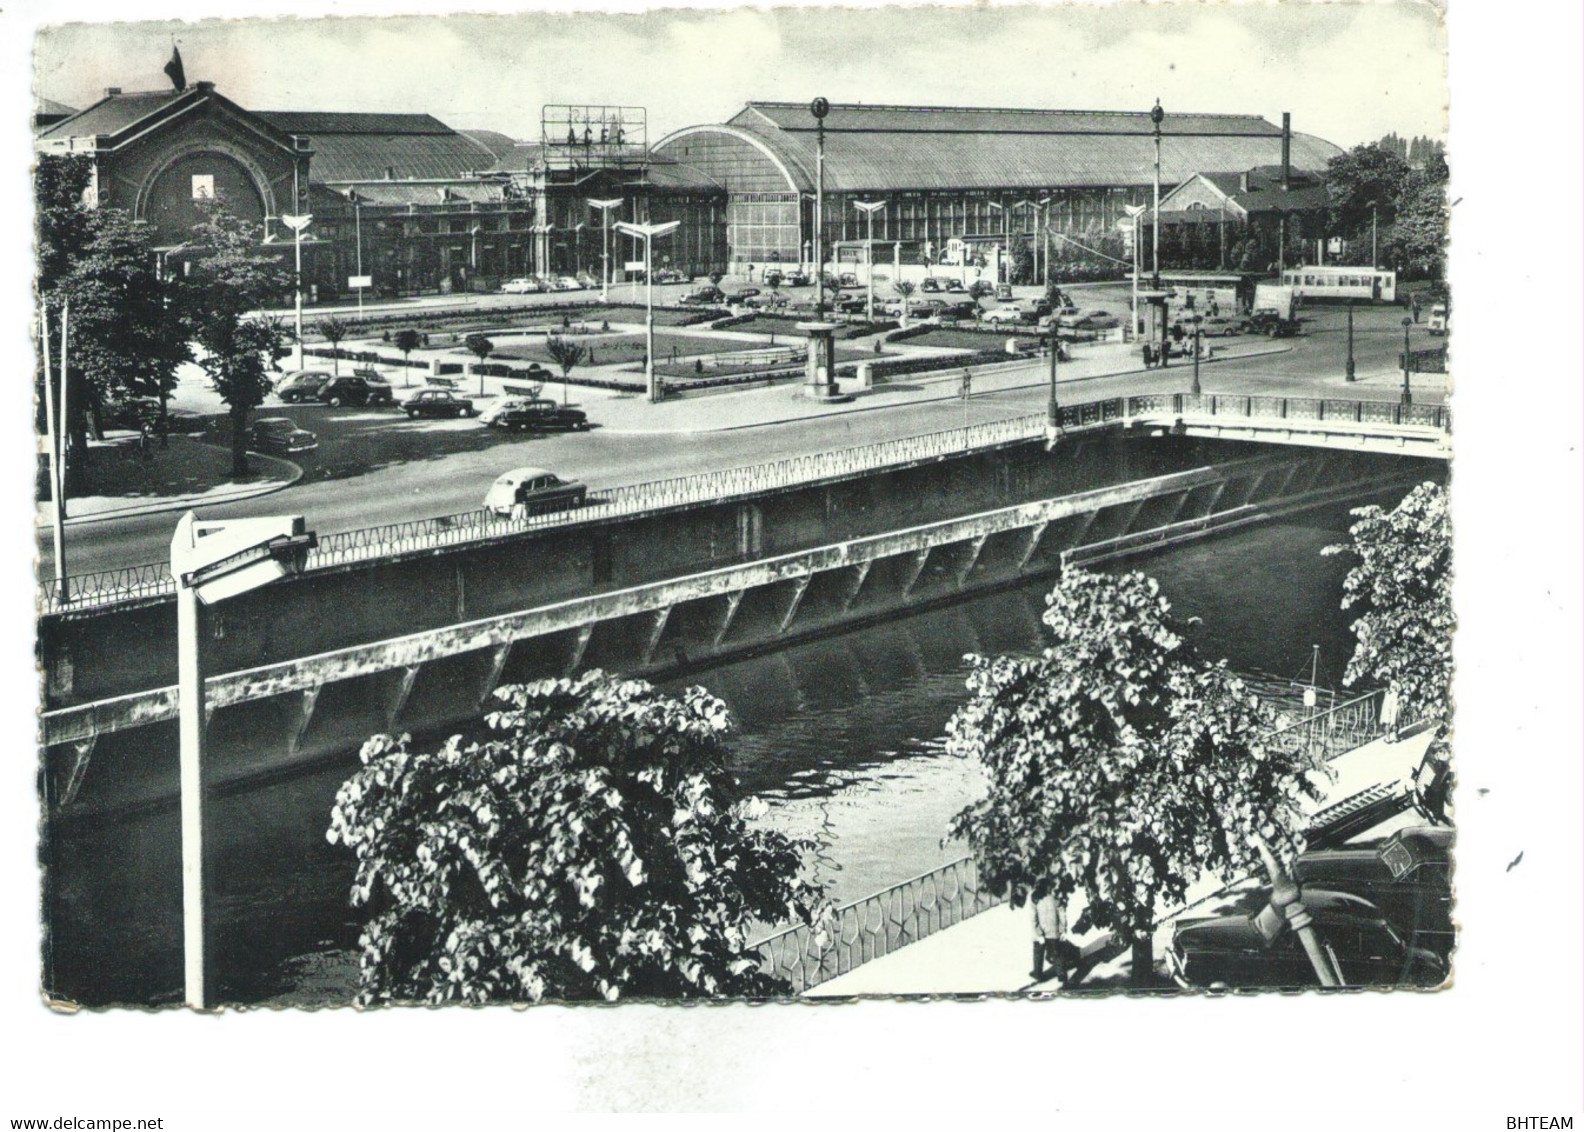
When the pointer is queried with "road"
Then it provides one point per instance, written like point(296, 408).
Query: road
point(447, 466)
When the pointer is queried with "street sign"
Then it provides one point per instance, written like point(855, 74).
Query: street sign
point(358, 282)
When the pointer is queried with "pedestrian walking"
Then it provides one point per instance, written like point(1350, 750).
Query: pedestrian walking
point(1149, 356)
point(1391, 707)
point(1051, 947)
point(967, 383)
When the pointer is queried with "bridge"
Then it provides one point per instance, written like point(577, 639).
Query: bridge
point(413, 626)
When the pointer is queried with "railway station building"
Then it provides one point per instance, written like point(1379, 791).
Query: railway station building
point(962, 185)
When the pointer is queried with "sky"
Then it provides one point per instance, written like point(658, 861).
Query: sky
point(1349, 73)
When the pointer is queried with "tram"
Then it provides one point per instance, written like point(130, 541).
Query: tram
point(1344, 284)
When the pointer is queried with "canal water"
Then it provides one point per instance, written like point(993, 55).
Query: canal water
point(842, 736)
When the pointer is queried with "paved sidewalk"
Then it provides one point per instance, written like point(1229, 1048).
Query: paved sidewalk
point(991, 953)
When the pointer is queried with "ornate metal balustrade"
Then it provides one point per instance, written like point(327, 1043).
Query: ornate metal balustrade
point(918, 908)
point(877, 925)
point(86, 591)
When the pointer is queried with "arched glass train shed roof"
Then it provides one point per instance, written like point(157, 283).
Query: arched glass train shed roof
point(771, 147)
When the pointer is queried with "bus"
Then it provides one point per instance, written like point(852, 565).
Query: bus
point(1322, 284)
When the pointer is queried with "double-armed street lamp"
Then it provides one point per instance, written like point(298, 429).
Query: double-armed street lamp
point(869, 208)
point(649, 233)
point(605, 207)
point(297, 224)
point(819, 108)
point(1198, 340)
point(213, 561)
point(1351, 371)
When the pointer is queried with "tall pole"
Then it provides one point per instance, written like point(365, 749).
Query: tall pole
point(65, 405)
point(1135, 212)
point(1156, 115)
point(605, 207)
point(190, 700)
point(357, 220)
point(1374, 235)
point(649, 371)
point(819, 108)
point(1407, 393)
point(297, 292)
point(1052, 409)
point(56, 480)
point(1198, 339)
point(869, 208)
point(1350, 369)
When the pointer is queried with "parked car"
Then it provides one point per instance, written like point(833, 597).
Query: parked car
point(535, 491)
point(848, 279)
point(773, 278)
point(1247, 946)
point(1007, 313)
point(1269, 321)
point(1091, 320)
point(524, 285)
point(1219, 326)
point(797, 279)
point(932, 286)
point(586, 279)
point(704, 296)
point(668, 275)
point(280, 434)
point(959, 310)
point(742, 294)
point(438, 403)
point(1408, 876)
point(955, 286)
point(357, 389)
point(1003, 292)
point(538, 414)
point(302, 386)
point(565, 283)
point(772, 301)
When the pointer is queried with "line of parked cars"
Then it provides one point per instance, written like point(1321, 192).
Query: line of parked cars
point(541, 284)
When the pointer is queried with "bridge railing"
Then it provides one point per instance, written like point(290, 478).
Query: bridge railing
point(876, 925)
point(87, 591)
point(1342, 410)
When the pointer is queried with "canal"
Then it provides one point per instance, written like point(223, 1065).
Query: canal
point(842, 736)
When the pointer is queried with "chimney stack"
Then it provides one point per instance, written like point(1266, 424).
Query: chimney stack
point(1243, 181)
point(1286, 151)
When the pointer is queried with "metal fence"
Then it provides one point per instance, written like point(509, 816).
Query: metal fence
point(876, 925)
point(918, 908)
point(87, 591)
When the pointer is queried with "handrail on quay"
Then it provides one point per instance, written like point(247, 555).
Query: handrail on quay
point(110, 587)
point(923, 905)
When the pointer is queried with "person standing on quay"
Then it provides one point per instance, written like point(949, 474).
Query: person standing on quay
point(1050, 944)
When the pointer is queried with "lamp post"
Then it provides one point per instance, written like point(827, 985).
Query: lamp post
point(649, 233)
point(1374, 235)
point(212, 561)
point(1350, 368)
point(869, 208)
point(1198, 334)
point(605, 207)
point(1134, 211)
point(297, 224)
point(1042, 208)
point(357, 223)
point(1052, 409)
point(1407, 393)
point(1156, 116)
point(819, 108)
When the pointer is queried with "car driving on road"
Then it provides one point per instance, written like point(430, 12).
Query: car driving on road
point(438, 403)
point(533, 491)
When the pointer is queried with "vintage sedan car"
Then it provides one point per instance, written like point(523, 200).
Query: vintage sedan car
point(438, 403)
point(524, 285)
point(704, 296)
point(280, 434)
point(932, 286)
point(797, 279)
point(955, 286)
point(302, 386)
point(741, 294)
point(358, 389)
point(533, 491)
point(565, 283)
point(538, 414)
point(1006, 313)
point(669, 275)
point(1407, 875)
point(1247, 946)
point(1219, 326)
point(1091, 320)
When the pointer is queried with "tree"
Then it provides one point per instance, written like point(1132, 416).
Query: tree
point(1402, 583)
point(333, 330)
point(1419, 236)
point(1122, 767)
point(1363, 186)
point(1022, 262)
point(904, 288)
point(566, 354)
point(590, 847)
point(407, 341)
point(480, 346)
point(715, 277)
point(227, 282)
